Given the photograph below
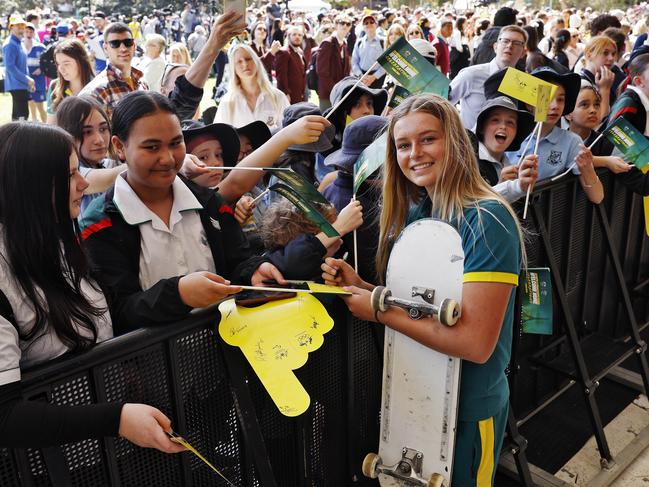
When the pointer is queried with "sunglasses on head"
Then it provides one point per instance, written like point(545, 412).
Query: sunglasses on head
point(117, 42)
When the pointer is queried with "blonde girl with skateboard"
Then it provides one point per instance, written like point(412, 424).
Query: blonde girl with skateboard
point(431, 171)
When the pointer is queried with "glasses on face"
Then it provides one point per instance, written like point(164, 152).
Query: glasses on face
point(510, 42)
point(347, 24)
point(118, 42)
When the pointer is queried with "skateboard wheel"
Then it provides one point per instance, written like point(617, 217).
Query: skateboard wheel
point(370, 462)
point(435, 480)
point(378, 298)
point(449, 312)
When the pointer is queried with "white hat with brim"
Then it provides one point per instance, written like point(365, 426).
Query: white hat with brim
point(16, 20)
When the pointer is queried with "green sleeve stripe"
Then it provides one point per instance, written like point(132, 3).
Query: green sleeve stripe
point(503, 277)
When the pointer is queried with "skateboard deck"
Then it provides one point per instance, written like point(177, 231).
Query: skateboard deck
point(421, 386)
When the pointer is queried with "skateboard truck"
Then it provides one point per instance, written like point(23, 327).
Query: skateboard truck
point(448, 312)
point(408, 470)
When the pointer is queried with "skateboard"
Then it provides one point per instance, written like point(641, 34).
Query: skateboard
point(420, 386)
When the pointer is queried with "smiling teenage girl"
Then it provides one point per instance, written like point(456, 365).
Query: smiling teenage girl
point(161, 244)
point(429, 150)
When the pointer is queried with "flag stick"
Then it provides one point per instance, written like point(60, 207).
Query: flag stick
point(529, 188)
point(574, 163)
point(266, 191)
point(355, 244)
point(245, 168)
point(350, 91)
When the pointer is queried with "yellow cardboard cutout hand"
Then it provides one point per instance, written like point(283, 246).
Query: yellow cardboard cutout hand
point(276, 339)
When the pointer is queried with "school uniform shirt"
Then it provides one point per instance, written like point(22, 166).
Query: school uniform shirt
point(491, 254)
point(15, 353)
point(557, 152)
point(122, 254)
point(510, 190)
point(234, 110)
point(467, 89)
point(182, 246)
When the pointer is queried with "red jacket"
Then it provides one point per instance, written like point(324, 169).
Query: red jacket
point(443, 55)
point(290, 72)
point(267, 59)
point(332, 65)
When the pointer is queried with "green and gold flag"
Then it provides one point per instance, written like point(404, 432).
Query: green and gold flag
point(412, 70)
point(370, 160)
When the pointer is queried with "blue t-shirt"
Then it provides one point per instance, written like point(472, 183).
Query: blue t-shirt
point(492, 253)
point(557, 152)
point(34, 63)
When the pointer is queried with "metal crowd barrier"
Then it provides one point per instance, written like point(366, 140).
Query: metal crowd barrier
point(598, 256)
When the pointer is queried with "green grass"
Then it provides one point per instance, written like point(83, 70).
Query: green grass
point(5, 108)
point(5, 102)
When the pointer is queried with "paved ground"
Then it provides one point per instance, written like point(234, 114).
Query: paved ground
point(623, 429)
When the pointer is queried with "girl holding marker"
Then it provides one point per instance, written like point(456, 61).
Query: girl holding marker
point(430, 163)
point(160, 244)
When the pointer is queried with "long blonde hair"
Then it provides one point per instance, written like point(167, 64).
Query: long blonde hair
point(458, 187)
point(261, 77)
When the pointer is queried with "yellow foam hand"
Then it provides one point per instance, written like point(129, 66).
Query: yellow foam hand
point(276, 338)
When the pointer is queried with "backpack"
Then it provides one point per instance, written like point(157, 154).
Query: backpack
point(47, 62)
point(311, 73)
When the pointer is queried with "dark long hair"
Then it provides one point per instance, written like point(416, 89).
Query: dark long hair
point(73, 111)
point(76, 50)
point(41, 240)
point(135, 106)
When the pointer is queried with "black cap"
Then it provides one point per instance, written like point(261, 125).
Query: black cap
point(224, 133)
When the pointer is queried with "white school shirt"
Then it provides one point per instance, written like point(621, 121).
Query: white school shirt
point(165, 252)
point(15, 353)
point(235, 111)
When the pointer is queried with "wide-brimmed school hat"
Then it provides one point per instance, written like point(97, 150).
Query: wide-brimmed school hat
point(357, 136)
point(257, 132)
point(293, 113)
point(571, 82)
point(341, 88)
point(524, 126)
point(195, 133)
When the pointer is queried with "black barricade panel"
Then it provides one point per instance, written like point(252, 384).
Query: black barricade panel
point(182, 369)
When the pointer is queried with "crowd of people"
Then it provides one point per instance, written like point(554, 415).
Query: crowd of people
point(130, 221)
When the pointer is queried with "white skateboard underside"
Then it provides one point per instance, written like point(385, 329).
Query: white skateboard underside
point(420, 385)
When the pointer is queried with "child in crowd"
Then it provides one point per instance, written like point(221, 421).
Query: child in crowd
point(215, 145)
point(500, 127)
point(584, 121)
point(295, 245)
point(429, 150)
point(633, 105)
point(558, 149)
